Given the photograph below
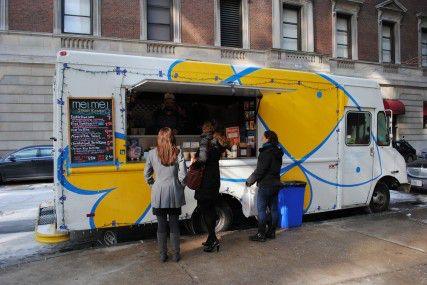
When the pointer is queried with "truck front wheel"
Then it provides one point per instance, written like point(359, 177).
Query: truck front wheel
point(380, 198)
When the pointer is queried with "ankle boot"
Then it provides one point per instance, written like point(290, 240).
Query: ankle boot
point(271, 232)
point(162, 241)
point(260, 235)
point(176, 253)
point(208, 240)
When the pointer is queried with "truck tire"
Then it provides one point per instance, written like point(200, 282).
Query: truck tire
point(223, 223)
point(380, 200)
point(225, 217)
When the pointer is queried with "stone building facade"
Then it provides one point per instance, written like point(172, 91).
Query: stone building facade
point(385, 40)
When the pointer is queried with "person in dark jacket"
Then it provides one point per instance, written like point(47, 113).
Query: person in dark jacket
point(267, 177)
point(208, 156)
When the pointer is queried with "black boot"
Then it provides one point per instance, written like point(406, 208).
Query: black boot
point(208, 240)
point(271, 232)
point(260, 235)
point(212, 245)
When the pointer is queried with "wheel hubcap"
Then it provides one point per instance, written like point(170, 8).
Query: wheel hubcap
point(378, 198)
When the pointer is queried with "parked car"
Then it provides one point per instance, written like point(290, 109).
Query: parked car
point(417, 173)
point(28, 163)
point(424, 153)
point(406, 150)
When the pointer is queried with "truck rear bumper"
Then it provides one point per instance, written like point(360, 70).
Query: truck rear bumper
point(46, 230)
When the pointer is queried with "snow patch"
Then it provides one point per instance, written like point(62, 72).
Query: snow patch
point(398, 197)
point(19, 215)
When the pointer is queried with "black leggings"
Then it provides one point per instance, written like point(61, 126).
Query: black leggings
point(162, 221)
point(208, 211)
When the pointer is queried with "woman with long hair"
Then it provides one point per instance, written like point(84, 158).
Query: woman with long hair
point(210, 149)
point(165, 171)
point(267, 177)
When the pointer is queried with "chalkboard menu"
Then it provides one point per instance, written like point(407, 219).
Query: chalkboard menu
point(91, 130)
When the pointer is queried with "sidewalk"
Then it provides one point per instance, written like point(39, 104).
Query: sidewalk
point(388, 248)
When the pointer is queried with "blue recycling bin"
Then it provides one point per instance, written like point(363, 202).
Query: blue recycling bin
point(291, 204)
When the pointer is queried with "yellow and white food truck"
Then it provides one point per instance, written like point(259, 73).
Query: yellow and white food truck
point(108, 108)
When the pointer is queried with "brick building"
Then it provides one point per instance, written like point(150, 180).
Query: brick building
point(385, 40)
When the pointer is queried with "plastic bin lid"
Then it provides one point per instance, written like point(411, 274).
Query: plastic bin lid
point(294, 183)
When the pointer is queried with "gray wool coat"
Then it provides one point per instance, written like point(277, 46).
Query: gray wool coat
point(166, 182)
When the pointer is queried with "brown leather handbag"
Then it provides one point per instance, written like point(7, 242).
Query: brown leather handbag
point(194, 177)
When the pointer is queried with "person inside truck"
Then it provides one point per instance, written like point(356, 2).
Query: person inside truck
point(169, 115)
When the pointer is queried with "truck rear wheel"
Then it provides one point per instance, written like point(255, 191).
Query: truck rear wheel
point(380, 198)
point(224, 218)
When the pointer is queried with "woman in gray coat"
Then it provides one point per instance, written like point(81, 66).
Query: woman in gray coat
point(165, 171)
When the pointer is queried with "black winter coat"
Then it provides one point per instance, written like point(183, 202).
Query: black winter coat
point(209, 155)
point(267, 172)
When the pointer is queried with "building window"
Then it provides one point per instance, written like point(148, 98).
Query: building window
point(291, 38)
point(358, 128)
point(77, 16)
point(424, 48)
point(231, 23)
point(387, 42)
point(159, 20)
point(343, 36)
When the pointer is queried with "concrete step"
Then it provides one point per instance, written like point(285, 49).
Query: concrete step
point(26, 80)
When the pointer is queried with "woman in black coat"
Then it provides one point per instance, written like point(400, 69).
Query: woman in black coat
point(267, 177)
point(209, 154)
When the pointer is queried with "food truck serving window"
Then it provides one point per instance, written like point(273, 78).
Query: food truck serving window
point(184, 108)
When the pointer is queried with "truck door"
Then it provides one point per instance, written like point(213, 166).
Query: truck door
point(358, 156)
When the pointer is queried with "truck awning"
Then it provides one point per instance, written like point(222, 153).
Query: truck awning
point(395, 105)
point(164, 86)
